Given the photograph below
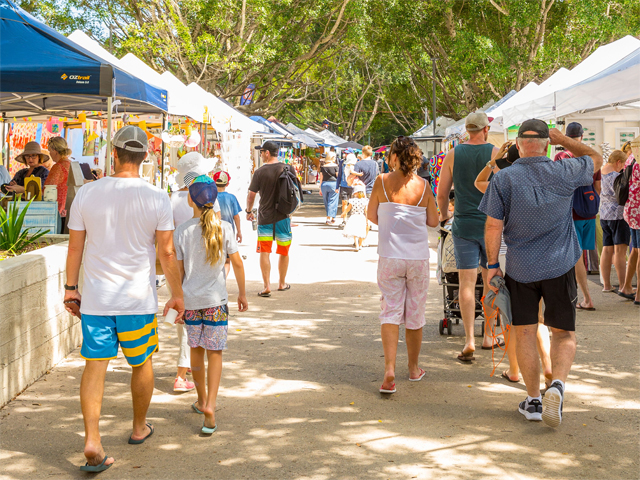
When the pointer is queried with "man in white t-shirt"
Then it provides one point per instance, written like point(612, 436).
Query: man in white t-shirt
point(120, 217)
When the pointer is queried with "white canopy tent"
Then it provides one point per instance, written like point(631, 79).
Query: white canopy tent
point(543, 106)
point(524, 94)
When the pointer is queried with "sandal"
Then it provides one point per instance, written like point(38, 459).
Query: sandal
point(466, 357)
point(506, 375)
point(286, 287)
point(264, 293)
point(500, 344)
point(138, 442)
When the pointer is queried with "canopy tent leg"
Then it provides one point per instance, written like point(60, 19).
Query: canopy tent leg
point(204, 141)
point(5, 160)
point(107, 157)
point(163, 152)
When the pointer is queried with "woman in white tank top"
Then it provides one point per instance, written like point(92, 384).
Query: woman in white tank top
point(402, 205)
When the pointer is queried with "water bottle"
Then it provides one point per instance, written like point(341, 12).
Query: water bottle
point(254, 222)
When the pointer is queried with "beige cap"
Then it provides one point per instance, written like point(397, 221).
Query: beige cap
point(476, 121)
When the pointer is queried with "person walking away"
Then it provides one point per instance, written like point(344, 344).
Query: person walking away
point(368, 168)
point(272, 225)
point(202, 246)
point(345, 191)
point(328, 187)
point(585, 225)
point(119, 217)
point(230, 210)
point(402, 205)
point(632, 210)
point(627, 290)
point(461, 166)
point(190, 166)
point(615, 231)
point(505, 157)
point(542, 250)
point(356, 227)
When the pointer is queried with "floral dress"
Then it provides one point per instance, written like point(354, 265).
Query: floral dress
point(58, 176)
point(632, 207)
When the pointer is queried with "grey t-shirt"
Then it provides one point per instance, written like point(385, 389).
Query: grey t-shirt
point(204, 286)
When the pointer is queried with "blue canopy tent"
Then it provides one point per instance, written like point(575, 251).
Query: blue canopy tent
point(43, 73)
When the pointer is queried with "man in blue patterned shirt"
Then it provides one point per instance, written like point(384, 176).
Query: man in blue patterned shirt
point(531, 203)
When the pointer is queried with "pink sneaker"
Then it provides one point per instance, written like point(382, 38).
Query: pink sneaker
point(183, 385)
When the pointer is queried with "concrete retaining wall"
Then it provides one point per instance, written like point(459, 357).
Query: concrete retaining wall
point(35, 330)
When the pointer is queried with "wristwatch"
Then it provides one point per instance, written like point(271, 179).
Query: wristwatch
point(489, 165)
point(248, 212)
point(72, 287)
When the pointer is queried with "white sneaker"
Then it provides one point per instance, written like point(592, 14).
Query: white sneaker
point(553, 400)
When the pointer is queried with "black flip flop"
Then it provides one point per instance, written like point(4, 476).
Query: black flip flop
point(499, 344)
point(264, 294)
point(589, 309)
point(504, 375)
point(138, 442)
point(628, 296)
point(287, 287)
point(96, 468)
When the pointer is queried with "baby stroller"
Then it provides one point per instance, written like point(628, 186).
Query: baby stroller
point(448, 278)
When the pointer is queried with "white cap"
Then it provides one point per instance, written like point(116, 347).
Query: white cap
point(351, 159)
point(359, 188)
point(127, 138)
point(192, 165)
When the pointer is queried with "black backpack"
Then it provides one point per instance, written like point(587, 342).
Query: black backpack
point(288, 192)
point(621, 184)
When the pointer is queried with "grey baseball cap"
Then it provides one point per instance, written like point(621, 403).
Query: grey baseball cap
point(131, 138)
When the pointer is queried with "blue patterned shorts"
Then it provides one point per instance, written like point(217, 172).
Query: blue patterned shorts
point(207, 328)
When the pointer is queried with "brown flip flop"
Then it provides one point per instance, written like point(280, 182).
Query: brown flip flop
point(506, 375)
point(466, 357)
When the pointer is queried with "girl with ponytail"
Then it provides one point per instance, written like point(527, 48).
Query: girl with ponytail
point(202, 246)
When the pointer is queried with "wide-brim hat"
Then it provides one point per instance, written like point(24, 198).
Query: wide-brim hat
point(32, 148)
point(192, 165)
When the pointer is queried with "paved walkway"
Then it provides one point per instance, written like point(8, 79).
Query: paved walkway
point(299, 395)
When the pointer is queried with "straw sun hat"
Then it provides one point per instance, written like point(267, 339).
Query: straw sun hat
point(32, 148)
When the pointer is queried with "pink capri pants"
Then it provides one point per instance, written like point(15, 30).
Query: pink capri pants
point(403, 284)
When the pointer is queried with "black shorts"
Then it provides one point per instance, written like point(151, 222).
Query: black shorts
point(615, 232)
point(345, 193)
point(560, 296)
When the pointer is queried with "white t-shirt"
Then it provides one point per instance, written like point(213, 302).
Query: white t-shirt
point(120, 216)
point(204, 285)
point(181, 209)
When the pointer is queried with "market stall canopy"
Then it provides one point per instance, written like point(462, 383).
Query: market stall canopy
point(614, 86)
point(352, 145)
point(525, 93)
point(297, 130)
point(274, 127)
point(44, 73)
point(330, 138)
point(543, 106)
point(306, 139)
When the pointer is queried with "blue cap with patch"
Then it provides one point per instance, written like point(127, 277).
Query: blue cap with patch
point(203, 192)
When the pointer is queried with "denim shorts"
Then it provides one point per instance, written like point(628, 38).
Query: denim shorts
point(614, 232)
point(635, 238)
point(469, 253)
point(586, 230)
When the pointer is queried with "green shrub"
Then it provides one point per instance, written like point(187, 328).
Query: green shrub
point(12, 238)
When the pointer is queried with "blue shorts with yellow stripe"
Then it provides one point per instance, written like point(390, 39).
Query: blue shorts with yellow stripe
point(136, 334)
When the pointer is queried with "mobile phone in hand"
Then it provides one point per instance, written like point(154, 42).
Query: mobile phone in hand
point(74, 305)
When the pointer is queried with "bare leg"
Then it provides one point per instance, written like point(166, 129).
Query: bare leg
point(605, 266)
point(631, 270)
point(183, 358)
point(563, 351)
point(197, 372)
point(142, 382)
point(528, 357)
point(414, 344)
point(265, 266)
point(214, 373)
point(389, 334)
point(487, 340)
point(227, 267)
point(637, 270)
point(513, 372)
point(544, 345)
point(283, 266)
point(91, 392)
point(620, 262)
point(581, 277)
point(466, 292)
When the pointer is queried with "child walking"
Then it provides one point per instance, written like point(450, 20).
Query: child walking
point(202, 245)
point(229, 209)
point(357, 227)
